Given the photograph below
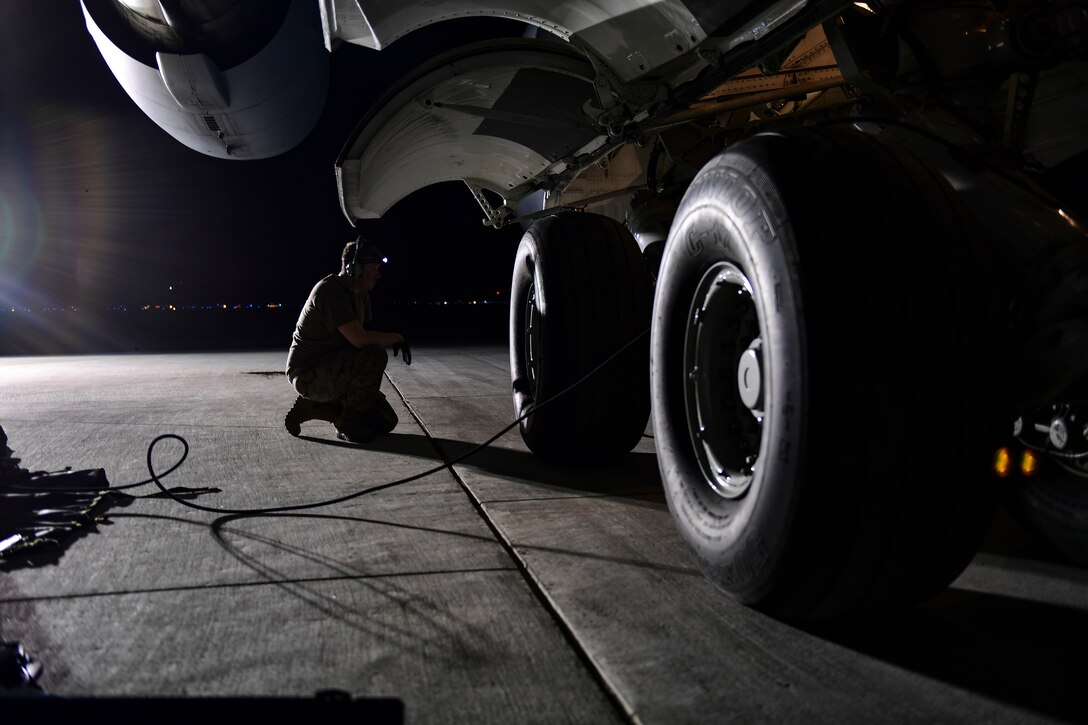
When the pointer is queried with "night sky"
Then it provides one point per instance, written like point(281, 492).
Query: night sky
point(100, 207)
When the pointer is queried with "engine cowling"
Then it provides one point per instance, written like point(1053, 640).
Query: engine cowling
point(234, 79)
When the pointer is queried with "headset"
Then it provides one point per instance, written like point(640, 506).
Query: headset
point(355, 267)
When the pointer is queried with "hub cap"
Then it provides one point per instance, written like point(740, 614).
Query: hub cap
point(724, 387)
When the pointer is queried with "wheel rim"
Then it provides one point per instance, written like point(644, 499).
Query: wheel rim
point(725, 384)
point(532, 333)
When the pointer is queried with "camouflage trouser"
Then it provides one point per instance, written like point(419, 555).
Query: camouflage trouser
point(353, 376)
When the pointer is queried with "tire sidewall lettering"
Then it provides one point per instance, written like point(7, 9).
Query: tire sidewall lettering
point(748, 208)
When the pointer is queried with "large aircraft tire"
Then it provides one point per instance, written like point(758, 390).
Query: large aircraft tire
point(580, 292)
point(823, 376)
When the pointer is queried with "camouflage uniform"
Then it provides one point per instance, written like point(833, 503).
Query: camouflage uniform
point(354, 376)
point(325, 368)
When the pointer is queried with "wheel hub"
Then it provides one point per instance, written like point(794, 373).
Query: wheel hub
point(750, 377)
point(724, 387)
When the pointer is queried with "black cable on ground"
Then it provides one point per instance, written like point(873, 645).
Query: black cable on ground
point(373, 489)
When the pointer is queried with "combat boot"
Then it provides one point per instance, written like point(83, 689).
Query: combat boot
point(305, 409)
point(353, 426)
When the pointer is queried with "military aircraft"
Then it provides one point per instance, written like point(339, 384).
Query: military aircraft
point(854, 231)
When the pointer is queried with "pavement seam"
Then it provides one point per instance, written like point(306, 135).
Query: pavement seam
point(610, 690)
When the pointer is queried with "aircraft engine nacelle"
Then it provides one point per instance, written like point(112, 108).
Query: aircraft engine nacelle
point(234, 79)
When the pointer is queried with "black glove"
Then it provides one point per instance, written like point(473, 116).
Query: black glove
point(407, 351)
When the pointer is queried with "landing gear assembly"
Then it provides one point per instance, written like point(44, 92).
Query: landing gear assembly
point(802, 336)
point(853, 303)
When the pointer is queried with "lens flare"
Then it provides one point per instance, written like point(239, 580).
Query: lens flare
point(21, 233)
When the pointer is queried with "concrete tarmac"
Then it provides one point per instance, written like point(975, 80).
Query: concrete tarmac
point(502, 590)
